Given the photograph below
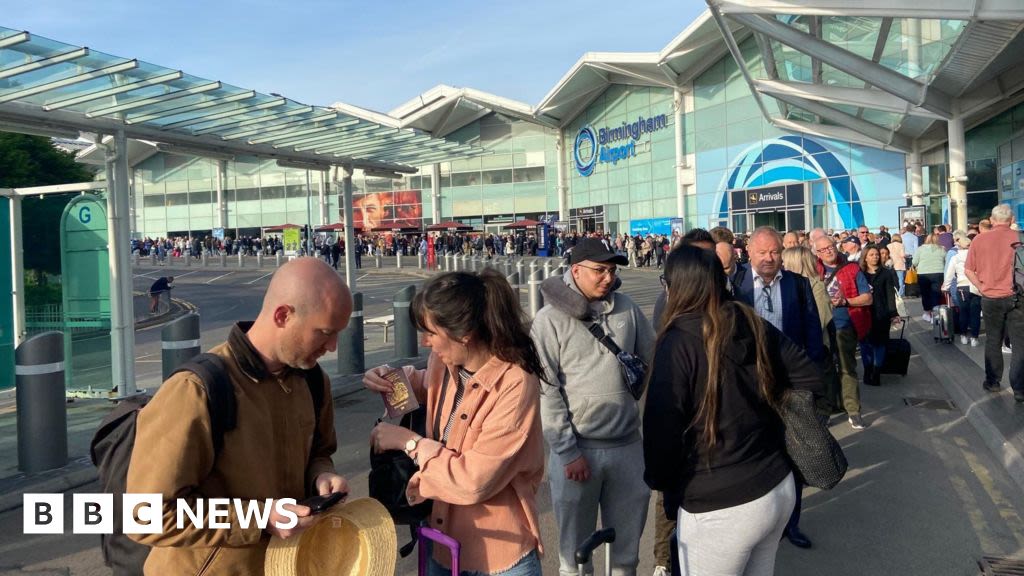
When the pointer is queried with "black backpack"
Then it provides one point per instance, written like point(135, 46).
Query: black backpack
point(111, 447)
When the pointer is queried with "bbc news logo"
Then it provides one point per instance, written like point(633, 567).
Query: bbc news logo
point(143, 513)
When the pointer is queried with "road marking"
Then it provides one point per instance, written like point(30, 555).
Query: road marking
point(176, 276)
point(145, 276)
point(212, 280)
point(260, 278)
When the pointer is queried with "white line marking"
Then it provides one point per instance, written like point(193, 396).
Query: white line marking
point(176, 276)
point(361, 277)
point(212, 280)
point(260, 278)
point(144, 276)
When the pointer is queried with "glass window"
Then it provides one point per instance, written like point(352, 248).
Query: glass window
point(497, 176)
point(243, 194)
point(528, 174)
point(177, 199)
point(296, 191)
point(465, 179)
point(268, 193)
point(200, 197)
point(981, 175)
point(153, 201)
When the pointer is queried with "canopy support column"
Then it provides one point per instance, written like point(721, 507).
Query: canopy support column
point(435, 190)
point(17, 272)
point(122, 310)
point(350, 233)
point(221, 207)
point(677, 105)
point(957, 171)
point(916, 179)
point(561, 187)
point(323, 199)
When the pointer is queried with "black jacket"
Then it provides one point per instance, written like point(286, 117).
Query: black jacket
point(749, 457)
point(883, 303)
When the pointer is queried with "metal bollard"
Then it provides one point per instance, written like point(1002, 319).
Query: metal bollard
point(406, 340)
point(351, 354)
point(277, 259)
point(419, 260)
point(188, 260)
point(179, 342)
point(513, 281)
point(223, 260)
point(152, 258)
point(536, 299)
point(398, 260)
point(508, 266)
point(378, 261)
point(520, 269)
point(473, 263)
point(241, 260)
point(259, 259)
point(204, 257)
point(547, 267)
point(136, 258)
point(463, 265)
point(41, 404)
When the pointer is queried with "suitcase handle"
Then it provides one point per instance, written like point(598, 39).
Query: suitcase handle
point(426, 533)
point(586, 550)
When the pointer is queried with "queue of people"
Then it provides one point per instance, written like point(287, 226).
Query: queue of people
point(684, 403)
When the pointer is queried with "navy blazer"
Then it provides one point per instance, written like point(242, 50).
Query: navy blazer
point(800, 322)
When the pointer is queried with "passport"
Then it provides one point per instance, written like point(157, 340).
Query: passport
point(401, 400)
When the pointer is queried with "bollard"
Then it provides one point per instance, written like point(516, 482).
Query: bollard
point(547, 267)
point(419, 260)
point(513, 281)
point(277, 259)
point(508, 266)
point(378, 261)
point(223, 260)
point(406, 340)
point(152, 258)
point(351, 356)
point(519, 269)
point(398, 260)
point(136, 257)
point(179, 342)
point(259, 259)
point(473, 263)
point(188, 260)
point(41, 404)
point(204, 257)
point(241, 260)
point(536, 299)
point(462, 265)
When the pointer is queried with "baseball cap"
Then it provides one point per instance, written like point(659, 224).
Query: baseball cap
point(853, 239)
point(594, 250)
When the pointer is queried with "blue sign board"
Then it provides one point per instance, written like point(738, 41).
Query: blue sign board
point(650, 226)
point(609, 145)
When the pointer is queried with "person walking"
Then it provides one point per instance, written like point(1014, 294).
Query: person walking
point(711, 432)
point(883, 313)
point(591, 421)
point(930, 262)
point(956, 280)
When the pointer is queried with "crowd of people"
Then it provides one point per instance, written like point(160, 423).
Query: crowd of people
point(741, 320)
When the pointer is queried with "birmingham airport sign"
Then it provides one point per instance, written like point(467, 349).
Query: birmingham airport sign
point(604, 145)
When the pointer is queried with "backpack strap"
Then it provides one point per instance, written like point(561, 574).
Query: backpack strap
point(220, 394)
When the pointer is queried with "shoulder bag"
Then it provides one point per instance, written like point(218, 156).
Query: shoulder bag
point(634, 369)
point(817, 458)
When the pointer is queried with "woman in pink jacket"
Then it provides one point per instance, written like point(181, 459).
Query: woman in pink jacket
point(483, 455)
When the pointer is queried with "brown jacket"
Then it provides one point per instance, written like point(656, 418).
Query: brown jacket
point(271, 453)
point(484, 482)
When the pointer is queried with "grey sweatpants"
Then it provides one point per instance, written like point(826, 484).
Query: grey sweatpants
point(737, 541)
point(617, 490)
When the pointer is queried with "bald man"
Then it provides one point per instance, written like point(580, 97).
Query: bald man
point(280, 446)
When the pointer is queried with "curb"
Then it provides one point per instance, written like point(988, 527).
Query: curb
point(974, 403)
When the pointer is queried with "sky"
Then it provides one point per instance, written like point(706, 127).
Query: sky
point(376, 54)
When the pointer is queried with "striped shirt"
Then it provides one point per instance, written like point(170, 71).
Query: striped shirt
point(460, 389)
point(768, 299)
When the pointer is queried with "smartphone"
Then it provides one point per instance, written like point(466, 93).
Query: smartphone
point(318, 504)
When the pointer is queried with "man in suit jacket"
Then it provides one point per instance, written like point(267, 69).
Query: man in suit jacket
point(785, 300)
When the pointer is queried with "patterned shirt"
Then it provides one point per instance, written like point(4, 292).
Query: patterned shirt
point(768, 299)
point(460, 389)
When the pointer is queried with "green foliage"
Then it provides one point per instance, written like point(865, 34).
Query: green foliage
point(33, 161)
point(40, 291)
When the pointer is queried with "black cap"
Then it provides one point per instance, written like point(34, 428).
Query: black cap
point(594, 250)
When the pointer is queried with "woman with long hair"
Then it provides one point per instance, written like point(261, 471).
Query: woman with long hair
point(483, 455)
point(711, 430)
point(930, 262)
point(884, 286)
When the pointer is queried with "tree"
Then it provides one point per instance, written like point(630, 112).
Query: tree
point(34, 161)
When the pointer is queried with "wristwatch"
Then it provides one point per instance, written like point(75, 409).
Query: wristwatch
point(411, 445)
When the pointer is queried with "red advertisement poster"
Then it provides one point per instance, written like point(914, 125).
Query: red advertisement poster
point(431, 257)
point(385, 210)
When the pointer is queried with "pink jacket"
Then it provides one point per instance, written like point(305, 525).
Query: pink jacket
point(484, 482)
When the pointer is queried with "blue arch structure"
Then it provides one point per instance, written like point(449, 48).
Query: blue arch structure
point(790, 159)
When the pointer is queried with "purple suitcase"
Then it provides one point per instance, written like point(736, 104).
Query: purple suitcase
point(433, 535)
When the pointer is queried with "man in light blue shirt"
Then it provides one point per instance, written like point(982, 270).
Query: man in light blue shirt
point(909, 244)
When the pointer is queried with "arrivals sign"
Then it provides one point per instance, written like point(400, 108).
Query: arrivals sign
point(610, 144)
point(762, 199)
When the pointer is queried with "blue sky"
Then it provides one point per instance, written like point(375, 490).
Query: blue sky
point(375, 54)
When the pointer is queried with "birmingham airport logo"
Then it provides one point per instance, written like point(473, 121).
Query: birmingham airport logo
point(584, 151)
point(143, 513)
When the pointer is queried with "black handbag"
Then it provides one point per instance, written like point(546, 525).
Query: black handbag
point(817, 458)
point(634, 369)
point(390, 472)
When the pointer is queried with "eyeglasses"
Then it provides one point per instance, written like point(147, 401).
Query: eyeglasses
point(826, 250)
point(601, 270)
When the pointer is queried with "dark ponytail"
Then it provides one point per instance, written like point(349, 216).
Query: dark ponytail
point(482, 306)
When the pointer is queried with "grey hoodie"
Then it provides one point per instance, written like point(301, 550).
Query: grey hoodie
point(584, 402)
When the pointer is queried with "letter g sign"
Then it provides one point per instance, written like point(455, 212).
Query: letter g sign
point(84, 215)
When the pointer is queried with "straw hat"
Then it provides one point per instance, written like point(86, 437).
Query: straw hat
point(356, 538)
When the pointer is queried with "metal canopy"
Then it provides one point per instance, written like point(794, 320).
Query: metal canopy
point(886, 71)
point(49, 85)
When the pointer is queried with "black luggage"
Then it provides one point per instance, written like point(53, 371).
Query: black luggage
point(897, 354)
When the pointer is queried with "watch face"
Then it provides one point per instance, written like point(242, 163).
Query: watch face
point(410, 445)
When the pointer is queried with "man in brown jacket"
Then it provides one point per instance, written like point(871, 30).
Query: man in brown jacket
point(279, 447)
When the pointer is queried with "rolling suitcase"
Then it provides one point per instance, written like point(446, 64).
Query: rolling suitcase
point(586, 550)
point(439, 537)
point(944, 322)
point(897, 354)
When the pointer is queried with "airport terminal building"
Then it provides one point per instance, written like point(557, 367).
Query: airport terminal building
point(795, 115)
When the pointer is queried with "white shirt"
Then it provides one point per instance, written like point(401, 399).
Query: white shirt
point(769, 307)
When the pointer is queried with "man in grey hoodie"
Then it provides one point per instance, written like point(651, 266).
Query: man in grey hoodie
point(591, 422)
